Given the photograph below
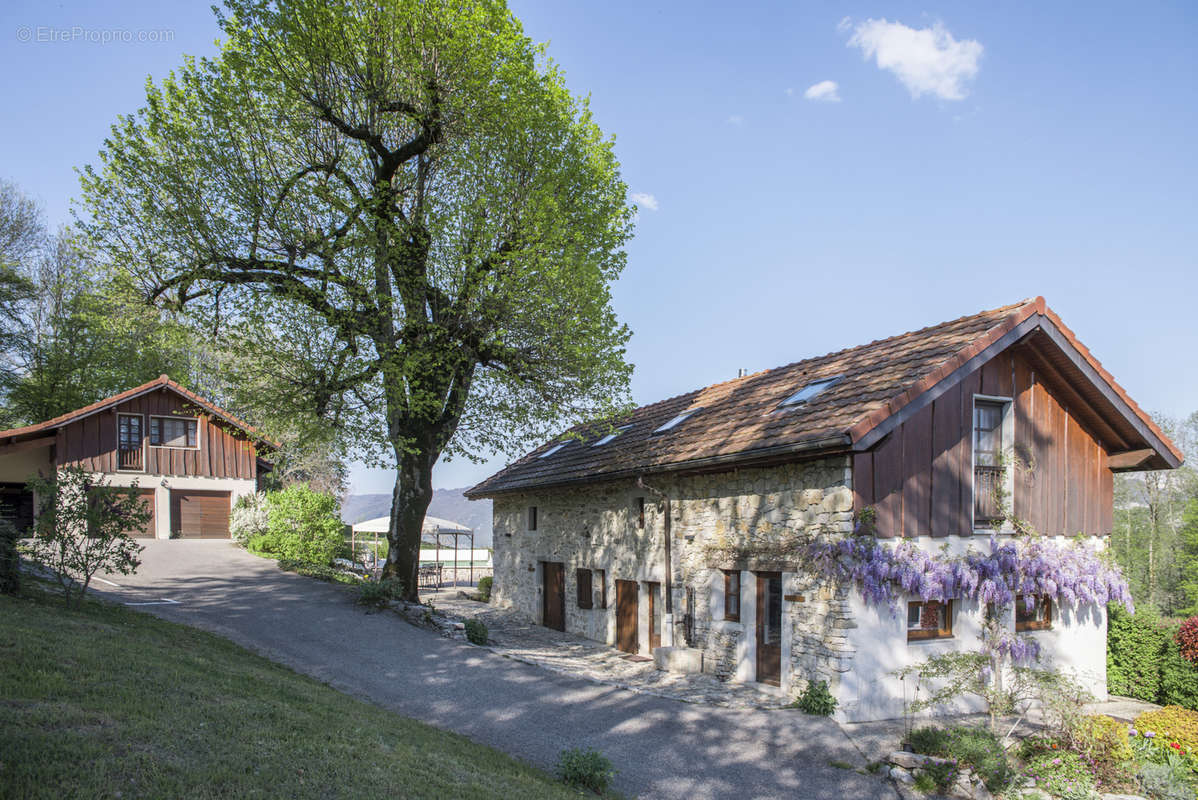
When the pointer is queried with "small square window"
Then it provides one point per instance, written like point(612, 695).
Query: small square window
point(930, 620)
point(586, 593)
point(532, 518)
point(1036, 618)
point(731, 595)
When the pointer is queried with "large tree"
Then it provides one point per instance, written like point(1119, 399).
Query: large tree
point(416, 175)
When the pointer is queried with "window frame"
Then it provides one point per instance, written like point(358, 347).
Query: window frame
point(530, 520)
point(143, 440)
point(1007, 441)
point(1045, 624)
point(585, 588)
point(173, 418)
point(931, 634)
point(731, 597)
point(795, 398)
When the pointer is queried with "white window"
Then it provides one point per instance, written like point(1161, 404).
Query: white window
point(808, 392)
point(553, 450)
point(678, 420)
point(611, 435)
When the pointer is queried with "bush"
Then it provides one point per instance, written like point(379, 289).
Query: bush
point(1172, 723)
point(585, 769)
point(1187, 638)
point(249, 518)
point(378, 595)
point(976, 747)
point(1100, 738)
point(1159, 782)
point(1135, 649)
point(1062, 774)
point(10, 559)
point(816, 699)
point(1179, 678)
point(484, 587)
point(476, 632)
point(302, 525)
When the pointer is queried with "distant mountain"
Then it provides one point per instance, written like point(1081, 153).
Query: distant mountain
point(448, 504)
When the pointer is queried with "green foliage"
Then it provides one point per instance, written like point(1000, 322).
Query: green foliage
point(81, 528)
point(302, 525)
point(1135, 650)
point(973, 746)
point(379, 594)
point(1101, 738)
point(250, 517)
point(476, 632)
point(925, 783)
point(1173, 724)
point(321, 572)
point(942, 773)
point(10, 559)
point(585, 768)
point(484, 587)
point(816, 699)
point(1161, 782)
point(1062, 774)
point(1179, 677)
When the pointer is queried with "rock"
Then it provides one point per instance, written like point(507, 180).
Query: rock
point(980, 792)
point(908, 760)
point(901, 775)
point(961, 787)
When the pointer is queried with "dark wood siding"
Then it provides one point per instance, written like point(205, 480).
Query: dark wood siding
point(224, 452)
point(919, 478)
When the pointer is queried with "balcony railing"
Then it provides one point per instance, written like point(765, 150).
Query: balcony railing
point(987, 486)
point(129, 459)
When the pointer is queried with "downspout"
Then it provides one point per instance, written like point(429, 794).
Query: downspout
point(668, 584)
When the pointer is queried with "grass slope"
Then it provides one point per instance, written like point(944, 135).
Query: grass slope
point(103, 701)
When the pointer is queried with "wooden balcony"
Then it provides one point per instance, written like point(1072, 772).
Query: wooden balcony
point(987, 486)
point(130, 459)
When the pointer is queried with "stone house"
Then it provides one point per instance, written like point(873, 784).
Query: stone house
point(669, 532)
point(189, 458)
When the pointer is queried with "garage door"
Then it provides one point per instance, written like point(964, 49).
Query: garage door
point(149, 532)
point(200, 515)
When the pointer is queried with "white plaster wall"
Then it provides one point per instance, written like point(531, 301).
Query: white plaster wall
point(236, 487)
point(1076, 644)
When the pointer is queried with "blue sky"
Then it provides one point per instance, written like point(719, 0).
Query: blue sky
point(969, 156)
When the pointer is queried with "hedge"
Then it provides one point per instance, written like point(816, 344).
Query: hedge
point(1144, 660)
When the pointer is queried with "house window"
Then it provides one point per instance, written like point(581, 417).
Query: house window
point(586, 593)
point(129, 442)
point(173, 432)
point(809, 392)
point(532, 518)
point(930, 620)
point(731, 595)
point(640, 512)
point(988, 474)
point(1036, 618)
point(600, 577)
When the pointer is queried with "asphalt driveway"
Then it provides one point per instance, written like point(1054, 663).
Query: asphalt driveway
point(662, 748)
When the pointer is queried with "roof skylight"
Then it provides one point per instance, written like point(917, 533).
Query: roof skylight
point(611, 435)
point(678, 420)
point(808, 392)
point(553, 449)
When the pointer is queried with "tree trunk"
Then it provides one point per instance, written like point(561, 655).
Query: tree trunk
point(409, 503)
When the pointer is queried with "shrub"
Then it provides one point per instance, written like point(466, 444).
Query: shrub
point(378, 595)
point(1159, 782)
point(302, 525)
point(1179, 678)
point(82, 528)
point(1061, 774)
point(816, 699)
point(929, 741)
point(976, 747)
point(249, 518)
point(942, 773)
point(1172, 723)
point(1135, 648)
point(1187, 638)
point(925, 783)
point(1101, 739)
point(476, 632)
point(484, 587)
point(10, 559)
point(585, 769)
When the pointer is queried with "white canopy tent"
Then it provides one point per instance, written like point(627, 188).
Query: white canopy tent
point(433, 530)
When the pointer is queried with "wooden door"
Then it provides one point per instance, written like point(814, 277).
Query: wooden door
point(553, 595)
point(626, 616)
point(199, 515)
point(654, 620)
point(769, 627)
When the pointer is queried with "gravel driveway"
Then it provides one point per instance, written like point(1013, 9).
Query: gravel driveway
point(662, 748)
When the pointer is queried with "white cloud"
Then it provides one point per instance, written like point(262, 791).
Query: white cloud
point(644, 200)
point(790, 92)
point(927, 60)
point(824, 91)
point(736, 119)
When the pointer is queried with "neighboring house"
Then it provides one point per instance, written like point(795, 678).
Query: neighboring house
point(190, 459)
point(659, 531)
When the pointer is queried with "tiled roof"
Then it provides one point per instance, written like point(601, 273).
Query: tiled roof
point(740, 420)
point(161, 382)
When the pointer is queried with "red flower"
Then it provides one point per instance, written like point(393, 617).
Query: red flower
point(1175, 745)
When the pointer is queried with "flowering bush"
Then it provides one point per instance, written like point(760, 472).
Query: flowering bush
point(1177, 726)
point(1061, 774)
point(1187, 638)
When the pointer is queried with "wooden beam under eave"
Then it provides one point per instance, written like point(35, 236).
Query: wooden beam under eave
point(28, 444)
point(1130, 459)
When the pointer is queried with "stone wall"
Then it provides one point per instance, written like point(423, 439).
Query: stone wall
point(741, 519)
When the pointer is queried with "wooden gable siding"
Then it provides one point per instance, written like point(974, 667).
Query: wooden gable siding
point(223, 452)
point(919, 479)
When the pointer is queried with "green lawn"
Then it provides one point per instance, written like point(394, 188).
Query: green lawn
point(103, 701)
